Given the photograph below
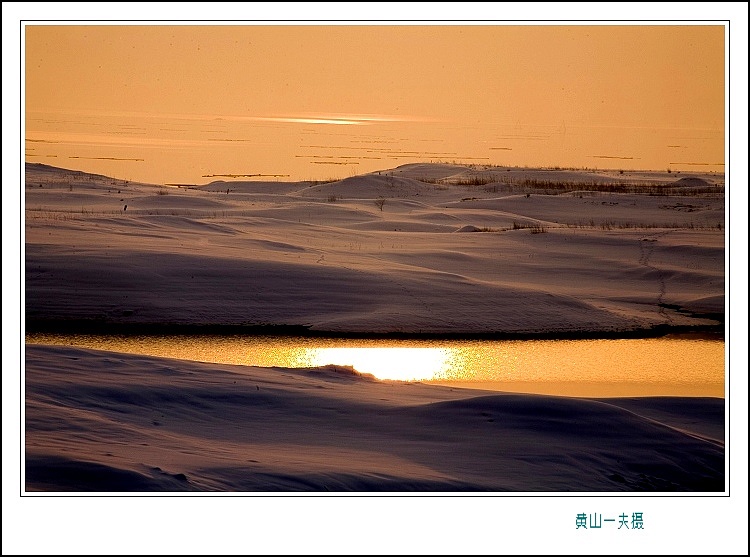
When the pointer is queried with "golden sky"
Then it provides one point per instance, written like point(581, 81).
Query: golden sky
point(186, 103)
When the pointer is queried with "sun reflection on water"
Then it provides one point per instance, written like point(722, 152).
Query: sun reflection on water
point(399, 363)
point(626, 367)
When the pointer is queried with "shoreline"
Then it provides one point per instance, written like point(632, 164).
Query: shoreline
point(82, 327)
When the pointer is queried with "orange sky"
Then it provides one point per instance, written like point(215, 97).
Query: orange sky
point(178, 104)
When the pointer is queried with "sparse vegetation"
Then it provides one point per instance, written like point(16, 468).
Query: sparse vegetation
point(525, 186)
point(332, 199)
point(380, 202)
point(626, 225)
point(475, 181)
point(534, 227)
point(549, 187)
point(321, 182)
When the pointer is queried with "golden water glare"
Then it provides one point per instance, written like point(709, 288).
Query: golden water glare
point(399, 363)
point(628, 367)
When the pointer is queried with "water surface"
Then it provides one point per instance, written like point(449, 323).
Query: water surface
point(671, 366)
